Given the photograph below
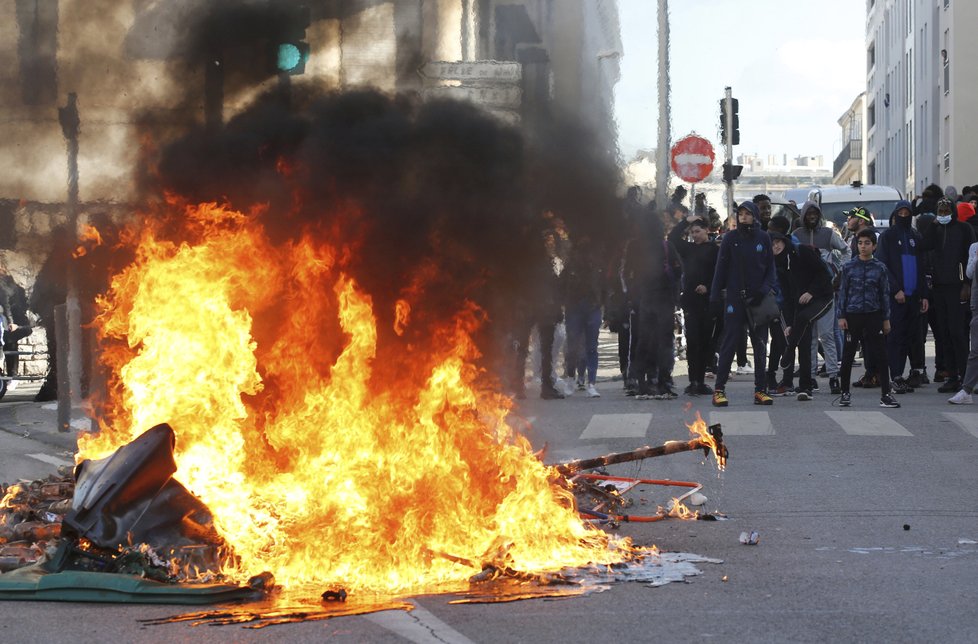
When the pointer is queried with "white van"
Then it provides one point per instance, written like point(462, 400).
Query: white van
point(835, 200)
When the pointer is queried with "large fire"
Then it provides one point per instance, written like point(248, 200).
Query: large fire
point(314, 470)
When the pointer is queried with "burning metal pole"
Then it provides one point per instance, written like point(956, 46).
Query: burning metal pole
point(671, 447)
point(70, 126)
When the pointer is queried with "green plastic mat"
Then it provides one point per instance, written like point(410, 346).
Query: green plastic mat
point(32, 584)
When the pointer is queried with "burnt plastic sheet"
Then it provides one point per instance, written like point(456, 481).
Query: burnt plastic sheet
point(131, 497)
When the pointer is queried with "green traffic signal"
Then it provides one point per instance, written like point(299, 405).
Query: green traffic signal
point(291, 57)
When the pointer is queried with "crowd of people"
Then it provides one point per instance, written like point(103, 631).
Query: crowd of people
point(807, 297)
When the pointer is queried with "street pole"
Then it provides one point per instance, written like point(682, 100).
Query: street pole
point(662, 149)
point(728, 114)
point(70, 126)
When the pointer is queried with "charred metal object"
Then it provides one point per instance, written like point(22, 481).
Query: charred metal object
point(335, 595)
point(671, 447)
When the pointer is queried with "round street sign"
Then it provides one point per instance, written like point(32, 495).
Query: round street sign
point(692, 158)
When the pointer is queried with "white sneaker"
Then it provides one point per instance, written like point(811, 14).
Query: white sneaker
point(961, 398)
point(564, 387)
point(592, 392)
point(745, 370)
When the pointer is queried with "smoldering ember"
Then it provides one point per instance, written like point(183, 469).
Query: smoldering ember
point(287, 293)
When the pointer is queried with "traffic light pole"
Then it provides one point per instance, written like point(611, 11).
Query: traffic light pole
point(728, 144)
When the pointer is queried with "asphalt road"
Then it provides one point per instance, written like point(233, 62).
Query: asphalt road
point(867, 521)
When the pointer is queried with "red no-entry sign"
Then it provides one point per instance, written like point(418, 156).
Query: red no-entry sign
point(692, 158)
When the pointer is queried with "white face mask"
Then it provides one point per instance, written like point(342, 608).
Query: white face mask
point(944, 219)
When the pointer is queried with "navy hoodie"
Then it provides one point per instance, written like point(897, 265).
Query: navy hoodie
point(745, 263)
point(901, 251)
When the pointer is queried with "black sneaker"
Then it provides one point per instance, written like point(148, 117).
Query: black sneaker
point(845, 400)
point(914, 379)
point(889, 401)
point(950, 386)
point(665, 392)
point(690, 389)
point(940, 376)
point(900, 386)
point(835, 387)
point(704, 390)
point(924, 380)
point(804, 395)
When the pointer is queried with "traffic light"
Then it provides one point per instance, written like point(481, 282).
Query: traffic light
point(290, 51)
point(731, 172)
point(735, 129)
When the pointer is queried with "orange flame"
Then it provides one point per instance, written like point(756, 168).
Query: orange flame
point(314, 471)
point(89, 237)
point(700, 430)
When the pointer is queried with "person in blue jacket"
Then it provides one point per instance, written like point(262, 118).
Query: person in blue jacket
point(864, 314)
point(901, 251)
point(744, 275)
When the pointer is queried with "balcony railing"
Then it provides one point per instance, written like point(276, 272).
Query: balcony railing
point(852, 151)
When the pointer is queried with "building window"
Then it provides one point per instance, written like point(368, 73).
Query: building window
point(871, 56)
point(871, 115)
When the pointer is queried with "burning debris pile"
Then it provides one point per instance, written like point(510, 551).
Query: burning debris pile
point(30, 517)
point(323, 337)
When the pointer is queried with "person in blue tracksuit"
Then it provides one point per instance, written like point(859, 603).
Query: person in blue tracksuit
point(745, 273)
point(901, 251)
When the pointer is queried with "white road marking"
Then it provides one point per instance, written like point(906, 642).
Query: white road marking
point(50, 460)
point(743, 423)
point(867, 423)
point(967, 422)
point(617, 426)
point(418, 625)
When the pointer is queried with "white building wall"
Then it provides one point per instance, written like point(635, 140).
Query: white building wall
point(920, 132)
point(959, 22)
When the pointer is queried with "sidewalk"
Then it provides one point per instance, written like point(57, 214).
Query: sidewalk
point(20, 415)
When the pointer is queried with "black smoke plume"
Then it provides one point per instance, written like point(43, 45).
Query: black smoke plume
point(435, 188)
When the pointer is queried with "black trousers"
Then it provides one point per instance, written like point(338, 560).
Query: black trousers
point(546, 330)
point(949, 314)
point(699, 333)
point(776, 349)
point(655, 355)
point(10, 340)
point(866, 328)
point(904, 333)
point(734, 325)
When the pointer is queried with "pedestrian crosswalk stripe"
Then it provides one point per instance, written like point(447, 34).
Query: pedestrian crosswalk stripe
point(617, 426)
point(743, 423)
point(967, 422)
point(50, 460)
point(867, 423)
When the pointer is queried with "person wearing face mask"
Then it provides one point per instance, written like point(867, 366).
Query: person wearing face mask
point(745, 270)
point(948, 241)
point(901, 251)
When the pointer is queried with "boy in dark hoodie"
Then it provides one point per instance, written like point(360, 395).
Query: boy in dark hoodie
point(806, 290)
point(864, 314)
point(901, 251)
point(812, 231)
point(745, 270)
